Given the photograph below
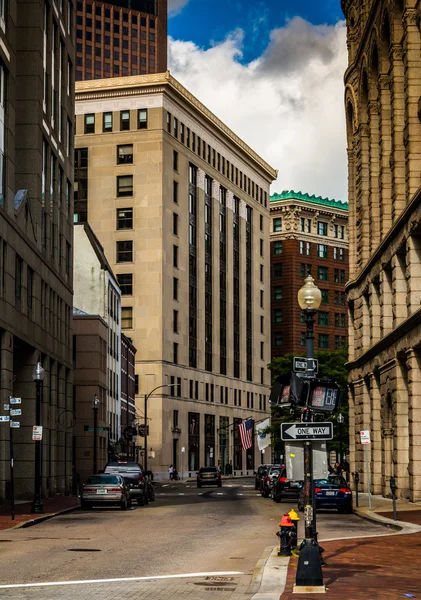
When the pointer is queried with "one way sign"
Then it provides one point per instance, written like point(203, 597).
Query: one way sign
point(306, 431)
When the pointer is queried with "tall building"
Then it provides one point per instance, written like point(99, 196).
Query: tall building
point(181, 207)
point(384, 294)
point(36, 236)
point(308, 234)
point(120, 38)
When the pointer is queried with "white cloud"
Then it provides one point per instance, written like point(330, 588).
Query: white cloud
point(176, 6)
point(287, 105)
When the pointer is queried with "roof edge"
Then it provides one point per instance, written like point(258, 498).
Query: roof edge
point(291, 195)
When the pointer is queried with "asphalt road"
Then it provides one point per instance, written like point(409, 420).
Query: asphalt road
point(185, 531)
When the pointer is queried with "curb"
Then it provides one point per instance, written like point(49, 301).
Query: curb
point(402, 527)
point(42, 518)
point(270, 576)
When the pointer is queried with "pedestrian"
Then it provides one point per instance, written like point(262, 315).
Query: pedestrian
point(171, 472)
point(338, 469)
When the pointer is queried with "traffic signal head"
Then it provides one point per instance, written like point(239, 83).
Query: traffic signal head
point(324, 396)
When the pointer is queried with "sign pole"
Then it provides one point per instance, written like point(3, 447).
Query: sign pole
point(368, 477)
point(12, 475)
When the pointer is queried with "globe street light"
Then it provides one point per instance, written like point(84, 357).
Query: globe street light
point(38, 374)
point(340, 419)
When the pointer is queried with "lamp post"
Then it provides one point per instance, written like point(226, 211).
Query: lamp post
point(147, 396)
point(309, 571)
point(95, 407)
point(340, 419)
point(38, 375)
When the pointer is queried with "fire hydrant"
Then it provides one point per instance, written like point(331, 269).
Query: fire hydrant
point(286, 534)
point(294, 518)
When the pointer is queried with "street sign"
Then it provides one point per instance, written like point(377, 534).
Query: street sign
point(15, 424)
point(301, 365)
point(15, 412)
point(4, 419)
point(365, 437)
point(306, 431)
point(37, 433)
point(15, 400)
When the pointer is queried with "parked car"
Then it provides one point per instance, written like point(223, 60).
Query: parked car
point(208, 476)
point(285, 488)
point(105, 489)
point(261, 471)
point(332, 492)
point(268, 479)
point(134, 477)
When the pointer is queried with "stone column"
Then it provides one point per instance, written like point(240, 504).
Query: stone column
point(362, 197)
point(374, 314)
point(351, 201)
point(200, 268)
point(243, 293)
point(413, 274)
point(6, 387)
point(386, 300)
point(366, 321)
point(230, 286)
point(374, 207)
point(400, 430)
point(352, 429)
point(376, 438)
point(399, 286)
point(215, 279)
point(385, 189)
point(397, 157)
point(413, 362)
point(359, 391)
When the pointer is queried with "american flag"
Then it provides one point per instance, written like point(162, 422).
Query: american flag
point(246, 433)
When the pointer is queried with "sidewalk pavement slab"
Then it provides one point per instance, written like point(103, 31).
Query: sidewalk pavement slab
point(23, 517)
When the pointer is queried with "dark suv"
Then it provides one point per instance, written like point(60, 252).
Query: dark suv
point(259, 474)
point(268, 479)
point(208, 476)
point(284, 488)
point(134, 478)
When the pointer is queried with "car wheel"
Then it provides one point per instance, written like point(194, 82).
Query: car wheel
point(124, 505)
point(256, 486)
point(85, 505)
point(199, 485)
point(146, 499)
point(277, 499)
point(152, 495)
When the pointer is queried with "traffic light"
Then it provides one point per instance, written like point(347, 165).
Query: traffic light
point(141, 430)
point(289, 390)
point(324, 396)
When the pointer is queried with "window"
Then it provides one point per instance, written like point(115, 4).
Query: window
point(175, 257)
point(124, 120)
point(107, 123)
point(18, 281)
point(336, 231)
point(323, 318)
point(323, 341)
point(125, 281)
point(29, 289)
point(342, 232)
point(124, 251)
point(305, 248)
point(261, 247)
point(325, 296)
point(321, 250)
point(125, 154)
point(277, 248)
point(126, 317)
point(175, 127)
point(175, 288)
point(261, 273)
point(322, 273)
point(175, 353)
point(337, 342)
point(175, 223)
point(175, 191)
point(142, 119)
point(277, 293)
point(169, 122)
point(261, 222)
point(277, 224)
point(339, 276)
point(278, 339)
point(175, 161)
point(322, 228)
point(341, 254)
point(124, 218)
point(261, 298)
point(262, 321)
point(277, 316)
point(277, 270)
point(182, 133)
point(124, 185)
point(175, 321)
point(90, 123)
point(262, 350)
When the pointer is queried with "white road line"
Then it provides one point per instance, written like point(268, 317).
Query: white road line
point(116, 580)
point(181, 494)
point(239, 494)
point(219, 494)
point(166, 485)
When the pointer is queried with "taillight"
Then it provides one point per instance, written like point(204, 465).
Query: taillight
point(317, 490)
point(89, 489)
point(140, 477)
point(283, 479)
point(115, 489)
point(267, 479)
point(345, 490)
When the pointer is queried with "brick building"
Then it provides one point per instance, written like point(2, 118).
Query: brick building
point(308, 234)
point(119, 38)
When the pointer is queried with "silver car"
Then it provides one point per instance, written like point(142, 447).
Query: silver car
point(105, 489)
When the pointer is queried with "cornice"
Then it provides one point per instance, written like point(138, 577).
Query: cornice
point(281, 206)
point(317, 200)
point(161, 83)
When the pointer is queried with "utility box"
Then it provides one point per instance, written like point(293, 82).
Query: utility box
point(294, 460)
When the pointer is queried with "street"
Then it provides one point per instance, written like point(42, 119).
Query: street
point(217, 534)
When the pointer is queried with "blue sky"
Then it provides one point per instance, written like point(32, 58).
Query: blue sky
point(207, 22)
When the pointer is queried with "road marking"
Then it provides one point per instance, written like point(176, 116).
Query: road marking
point(117, 580)
point(181, 494)
point(219, 494)
point(247, 486)
point(166, 485)
point(239, 494)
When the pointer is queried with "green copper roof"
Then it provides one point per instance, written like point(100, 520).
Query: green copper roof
point(286, 195)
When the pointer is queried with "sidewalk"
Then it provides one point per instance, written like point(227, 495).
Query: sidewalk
point(24, 518)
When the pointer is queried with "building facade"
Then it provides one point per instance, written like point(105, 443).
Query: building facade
point(308, 234)
point(384, 292)
point(129, 418)
point(97, 292)
point(36, 236)
point(181, 206)
point(120, 38)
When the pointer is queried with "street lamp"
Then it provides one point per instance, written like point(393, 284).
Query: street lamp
point(340, 419)
point(309, 571)
point(147, 396)
point(95, 406)
point(38, 374)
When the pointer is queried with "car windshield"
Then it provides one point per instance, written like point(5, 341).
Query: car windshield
point(275, 472)
point(208, 470)
point(103, 480)
point(339, 481)
point(122, 468)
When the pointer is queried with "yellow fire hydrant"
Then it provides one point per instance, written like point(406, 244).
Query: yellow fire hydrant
point(294, 518)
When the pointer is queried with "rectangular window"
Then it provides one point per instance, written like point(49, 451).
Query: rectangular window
point(30, 289)
point(261, 298)
point(18, 281)
point(322, 273)
point(262, 350)
point(124, 120)
point(321, 250)
point(302, 224)
point(261, 222)
point(277, 316)
point(277, 270)
point(124, 251)
point(277, 293)
point(175, 321)
point(124, 185)
point(337, 342)
point(262, 320)
point(125, 281)
point(277, 248)
point(175, 353)
point(278, 339)
point(261, 273)
point(342, 232)
point(126, 317)
point(175, 224)
point(142, 118)
point(175, 412)
point(125, 154)
point(107, 123)
point(124, 218)
point(341, 254)
point(182, 133)
point(325, 296)
point(90, 123)
point(175, 161)
point(277, 225)
point(323, 341)
point(175, 191)
point(175, 257)
point(343, 320)
point(175, 128)
point(323, 318)
point(335, 253)
point(169, 122)
point(322, 228)
point(175, 288)
point(68, 258)
point(336, 231)
point(261, 247)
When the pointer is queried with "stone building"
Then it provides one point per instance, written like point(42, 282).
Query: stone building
point(308, 234)
point(181, 207)
point(36, 236)
point(384, 154)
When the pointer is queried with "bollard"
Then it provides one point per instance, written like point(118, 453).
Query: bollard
point(294, 518)
point(286, 535)
point(356, 480)
point(393, 488)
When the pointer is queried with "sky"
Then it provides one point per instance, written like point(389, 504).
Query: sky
point(272, 70)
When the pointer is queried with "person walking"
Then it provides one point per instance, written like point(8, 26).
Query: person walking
point(171, 472)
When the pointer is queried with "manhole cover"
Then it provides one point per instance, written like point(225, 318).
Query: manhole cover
point(83, 550)
point(219, 579)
